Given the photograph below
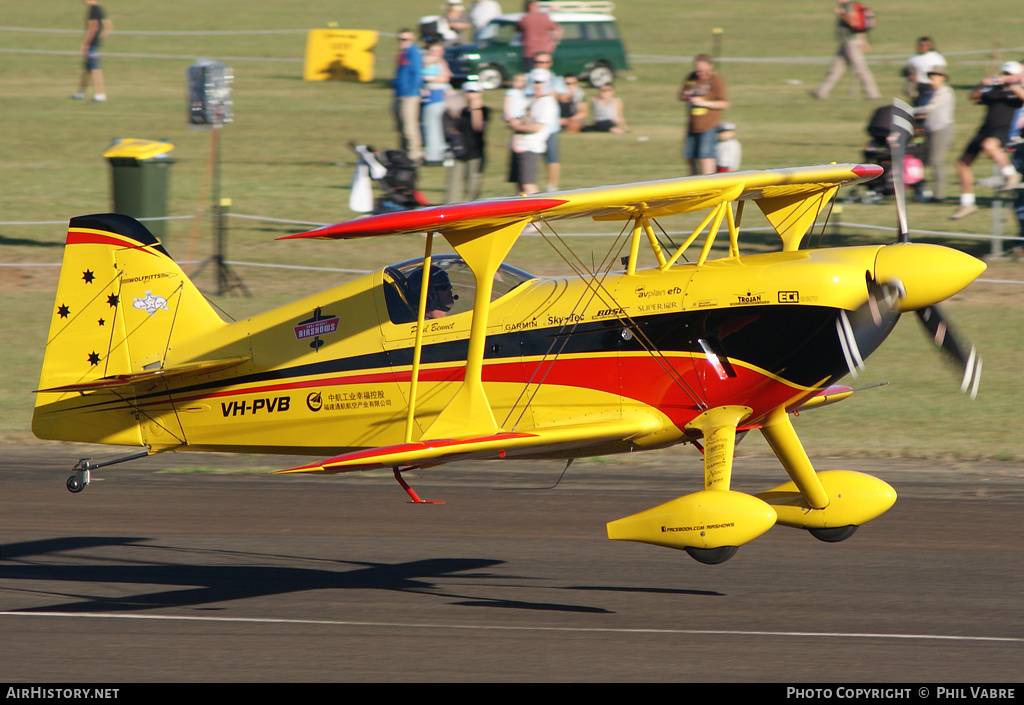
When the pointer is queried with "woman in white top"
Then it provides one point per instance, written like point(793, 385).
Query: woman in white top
point(436, 84)
point(608, 111)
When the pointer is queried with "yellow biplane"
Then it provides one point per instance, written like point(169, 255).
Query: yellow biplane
point(463, 357)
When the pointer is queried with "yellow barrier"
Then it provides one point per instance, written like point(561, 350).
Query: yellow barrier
point(339, 54)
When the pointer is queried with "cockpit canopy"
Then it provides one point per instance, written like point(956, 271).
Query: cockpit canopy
point(402, 286)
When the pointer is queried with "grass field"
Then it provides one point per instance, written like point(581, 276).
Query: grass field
point(285, 163)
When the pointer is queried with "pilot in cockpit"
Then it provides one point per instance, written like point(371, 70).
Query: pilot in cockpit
point(440, 298)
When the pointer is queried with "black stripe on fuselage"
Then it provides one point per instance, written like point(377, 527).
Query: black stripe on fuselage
point(796, 343)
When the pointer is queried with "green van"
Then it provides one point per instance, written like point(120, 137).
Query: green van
point(591, 48)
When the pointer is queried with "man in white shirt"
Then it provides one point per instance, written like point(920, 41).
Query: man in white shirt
point(482, 12)
point(533, 131)
point(926, 60)
point(560, 92)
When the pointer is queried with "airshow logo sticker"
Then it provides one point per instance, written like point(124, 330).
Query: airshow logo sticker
point(320, 324)
point(149, 303)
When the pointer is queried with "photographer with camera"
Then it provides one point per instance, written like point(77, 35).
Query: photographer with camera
point(704, 92)
point(1003, 96)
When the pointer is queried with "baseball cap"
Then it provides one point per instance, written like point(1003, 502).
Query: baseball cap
point(472, 87)
point(727, 127)
point(1012, 68)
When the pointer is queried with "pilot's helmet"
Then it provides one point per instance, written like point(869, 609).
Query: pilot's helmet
point(439, 281)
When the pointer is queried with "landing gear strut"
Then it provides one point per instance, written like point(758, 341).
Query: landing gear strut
point(77, 482)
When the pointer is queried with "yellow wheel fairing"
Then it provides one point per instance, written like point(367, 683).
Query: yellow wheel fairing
point(706, 519)
point(854, 498)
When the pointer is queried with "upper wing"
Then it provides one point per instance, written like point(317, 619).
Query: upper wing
point(782, 194)
point(548, 440)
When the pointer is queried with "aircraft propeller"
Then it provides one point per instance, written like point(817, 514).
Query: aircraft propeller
point(953, 345)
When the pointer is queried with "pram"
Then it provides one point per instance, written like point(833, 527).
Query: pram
point(878, 152)
point(396, 174)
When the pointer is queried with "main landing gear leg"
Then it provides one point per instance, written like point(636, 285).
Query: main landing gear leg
point(84, 467)
point(781, 436)
point(719, 428)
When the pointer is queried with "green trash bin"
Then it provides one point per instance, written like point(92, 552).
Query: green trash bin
point(140, 171)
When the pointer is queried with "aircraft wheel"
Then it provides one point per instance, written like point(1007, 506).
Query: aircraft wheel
point(75, 485)
point(835, 534)
point(712, 556)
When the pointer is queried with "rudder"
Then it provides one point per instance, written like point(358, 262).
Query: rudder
point(121, 304)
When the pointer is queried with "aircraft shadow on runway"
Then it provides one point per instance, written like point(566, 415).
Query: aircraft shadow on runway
point(205, 585)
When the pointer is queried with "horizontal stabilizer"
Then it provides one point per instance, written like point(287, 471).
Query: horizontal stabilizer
point(140, 379)
point(496, 446)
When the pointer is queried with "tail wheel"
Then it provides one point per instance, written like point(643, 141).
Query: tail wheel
point(833, 534)
point(600, 75)
point(490, 77)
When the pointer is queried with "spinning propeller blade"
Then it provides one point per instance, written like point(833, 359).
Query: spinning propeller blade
point(958, 349)
point(899, 137)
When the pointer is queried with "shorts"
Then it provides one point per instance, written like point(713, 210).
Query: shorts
point(551, 155)
point(525, 166)
point(973, 147)
point(92, 60)
point(700, 145)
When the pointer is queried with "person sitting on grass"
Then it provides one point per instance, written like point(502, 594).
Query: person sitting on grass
point(608, 112)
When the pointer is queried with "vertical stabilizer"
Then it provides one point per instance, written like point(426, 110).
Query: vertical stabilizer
point(121, 304)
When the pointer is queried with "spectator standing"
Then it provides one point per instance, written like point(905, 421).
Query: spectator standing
point(1002, 97)
point(852, 46)
point(436, 77)
point(530, 138)
point(704, 92)
point(541, 34)
point(481, 12)
point(454, 24)
point(1017, 139)
point(407, 84)
point(97, 26)
point(939, 129)
point(559, 91)
point(918, 68)
point(466, 130)
point(515, 101)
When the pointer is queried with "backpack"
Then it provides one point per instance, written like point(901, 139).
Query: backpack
point(861, 17)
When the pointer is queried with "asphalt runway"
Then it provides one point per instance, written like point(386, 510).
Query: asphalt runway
point(201, 576)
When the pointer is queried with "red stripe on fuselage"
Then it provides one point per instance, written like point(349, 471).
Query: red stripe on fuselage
point(641, 379)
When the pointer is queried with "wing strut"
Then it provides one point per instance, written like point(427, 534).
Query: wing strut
point(421, 314)
point(483, 249)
